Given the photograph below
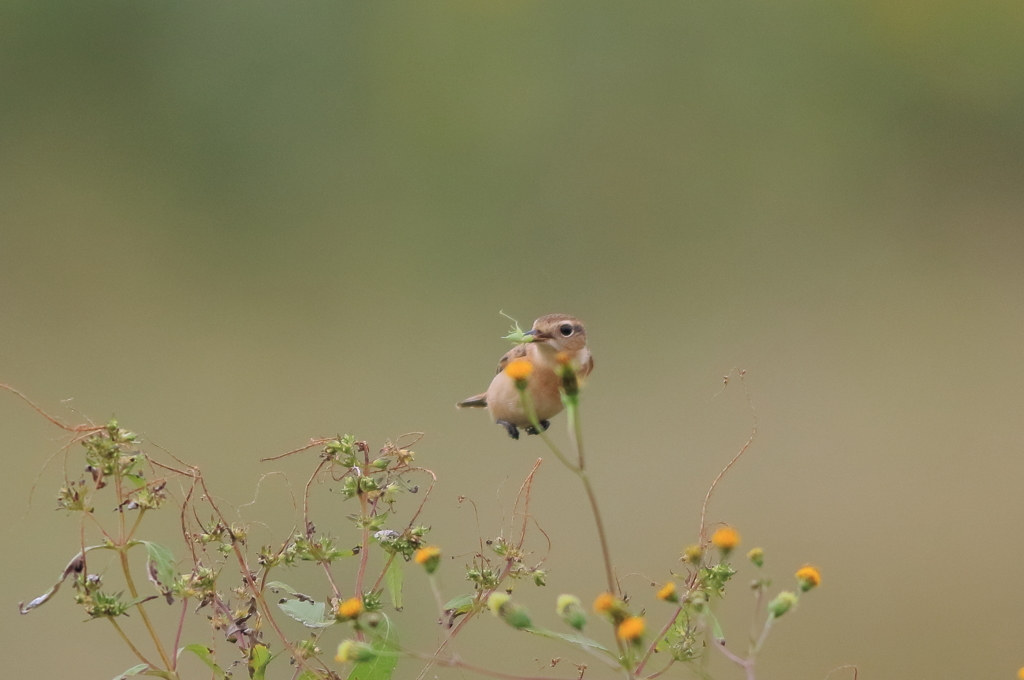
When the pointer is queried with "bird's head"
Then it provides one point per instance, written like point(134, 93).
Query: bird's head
point(562, 332)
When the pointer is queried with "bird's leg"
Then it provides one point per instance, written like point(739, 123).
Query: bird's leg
point(513, 431)
point(544, 425)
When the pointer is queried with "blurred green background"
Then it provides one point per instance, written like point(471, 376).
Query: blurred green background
point(238, 226)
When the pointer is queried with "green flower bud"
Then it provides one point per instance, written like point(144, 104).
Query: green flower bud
point(501, 605)
point(570, 609)
point(782, 603)
point(517, 617)
point(496, 601)
point(351, 651)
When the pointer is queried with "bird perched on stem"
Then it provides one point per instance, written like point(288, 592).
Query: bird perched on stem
point(554, 338)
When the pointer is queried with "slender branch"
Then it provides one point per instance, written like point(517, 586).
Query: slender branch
point(764, 636)
point(576, 432)
point(580, 472)
point(658, 638)
point(609, 571)
point(250, 582)
point(476, 609)
point(654, 675)
point(128, 642)
point(434, 588)
point(122, 549)
point(135, 526)
point(142, 609)
point(456, 662)
point(181, 627)
point(330, 579)
point(384, 571)
point(743, 449)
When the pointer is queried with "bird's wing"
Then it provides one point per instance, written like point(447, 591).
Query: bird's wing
point(517, 352)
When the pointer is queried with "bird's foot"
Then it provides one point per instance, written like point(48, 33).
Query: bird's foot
point(512, 430)
point(544, 425)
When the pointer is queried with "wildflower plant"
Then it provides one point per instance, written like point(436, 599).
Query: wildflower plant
point(242, 590)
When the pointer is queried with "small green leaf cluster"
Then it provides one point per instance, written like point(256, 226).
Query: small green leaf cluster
point(317, 549)
point(111, 454)
point(97, 604)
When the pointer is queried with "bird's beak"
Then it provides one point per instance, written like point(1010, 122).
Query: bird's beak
point(537, 335)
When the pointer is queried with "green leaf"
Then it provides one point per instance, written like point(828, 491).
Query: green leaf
point(278, 585)
point(716, 627)
point(160, 566)
point(393, 579)
point(308, 613)
point(134, 670)
point(259, 658)
point(459, 605)
point(136, 480)
point(205, 655)
point(377, 522)
point(575, 638)
point(385, 640)
point(309, 675)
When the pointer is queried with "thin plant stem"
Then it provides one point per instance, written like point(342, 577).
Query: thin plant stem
point(142, 609)
point(580, 472)
point(746, 664)
point(658, 638)
point(181, 627)
point(384, 571)
point(131, 646)
point(576, 432)
point(364, 553)
point(455, 662)
point(135, 526)
point(764, 635)
point(250, 582)
point(476, 609)
point(437, 594)
point(609, 571)
point(584, 478)
point(531, 414)
point(330, 579)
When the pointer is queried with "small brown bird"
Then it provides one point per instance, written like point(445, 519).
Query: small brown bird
point(551, 335)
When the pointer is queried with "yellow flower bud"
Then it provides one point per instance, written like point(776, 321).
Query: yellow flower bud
point(693, 554)
point(429, 556)
point(631, 628)
point(350, 608)
point(668, 592)
point(725, 539)
point(604, 603)
point(809, 577)
point(520, 369)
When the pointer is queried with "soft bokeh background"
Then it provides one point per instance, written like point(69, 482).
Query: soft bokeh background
point(238, 226)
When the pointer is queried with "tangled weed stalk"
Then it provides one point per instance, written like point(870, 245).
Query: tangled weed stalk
point(234, 584)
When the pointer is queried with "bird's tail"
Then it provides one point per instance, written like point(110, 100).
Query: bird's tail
point(479, 401)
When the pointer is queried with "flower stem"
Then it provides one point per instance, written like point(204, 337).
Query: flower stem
point(131, 646)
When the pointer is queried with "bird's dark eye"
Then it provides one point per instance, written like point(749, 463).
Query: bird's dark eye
point(565, 329)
